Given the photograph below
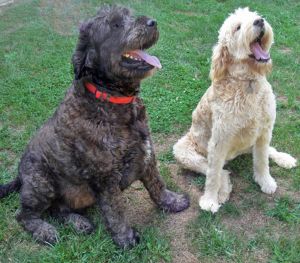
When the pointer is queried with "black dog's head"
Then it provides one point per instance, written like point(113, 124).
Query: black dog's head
point(111, 46)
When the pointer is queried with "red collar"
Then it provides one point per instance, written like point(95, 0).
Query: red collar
point(105, 96)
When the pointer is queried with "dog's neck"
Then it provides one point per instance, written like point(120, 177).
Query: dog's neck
point(249, 70)
point(117, 88)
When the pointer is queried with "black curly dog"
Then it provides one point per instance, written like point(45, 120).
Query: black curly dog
point(98, 141)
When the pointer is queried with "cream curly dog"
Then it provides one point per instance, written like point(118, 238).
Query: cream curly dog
point(236, 115)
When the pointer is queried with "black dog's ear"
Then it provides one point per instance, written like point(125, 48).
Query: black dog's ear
point(84, 54)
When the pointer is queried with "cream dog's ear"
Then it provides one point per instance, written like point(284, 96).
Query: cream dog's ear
point(220, 61)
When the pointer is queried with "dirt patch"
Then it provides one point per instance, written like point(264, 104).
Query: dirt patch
point(6, 2)
point(282, 98)
point(242, 192)
point(8, 159)
point(141, 211)
point(163, 142)
point(12, 30)
point(175, 225)
point(251, 220)
point(260, 256)
point(285, 50)
point(187, 13)
point(247, 223)
point(139, 208)
point(284, 190)
point(10, 154)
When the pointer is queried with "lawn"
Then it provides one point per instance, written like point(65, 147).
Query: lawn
point(37, 38)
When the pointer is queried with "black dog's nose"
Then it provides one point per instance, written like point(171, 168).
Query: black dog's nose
point(151, 22)
point(259, 22)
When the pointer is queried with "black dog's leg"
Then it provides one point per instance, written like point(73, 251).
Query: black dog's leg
point(81, 224)
point(65, 215)
point(164, 199)
point(33, 204)
point(41, 230)
point(110, 205)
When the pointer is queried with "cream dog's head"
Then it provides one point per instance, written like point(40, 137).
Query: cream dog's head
point(244, 38)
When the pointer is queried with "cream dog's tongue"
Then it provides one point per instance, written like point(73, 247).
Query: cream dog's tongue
point(258, 52)
point(152, 60)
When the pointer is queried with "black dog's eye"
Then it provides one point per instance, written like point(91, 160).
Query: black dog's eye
point(116, 25)
point(238, 28)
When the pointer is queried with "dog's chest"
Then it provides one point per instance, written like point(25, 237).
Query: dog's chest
point(137, 156)
point(139, 144)
point(254, 118)
point(123, 144)
point(259, 109)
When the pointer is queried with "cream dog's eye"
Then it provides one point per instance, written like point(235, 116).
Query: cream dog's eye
point(238, 28)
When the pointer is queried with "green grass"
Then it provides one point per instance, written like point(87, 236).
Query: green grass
point(37, 39)
point(285, 250)
point(212, 240)
point(285, 210)
point(166, 175)
point(97, 247)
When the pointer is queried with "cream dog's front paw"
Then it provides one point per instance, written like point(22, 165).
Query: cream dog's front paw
point(209, 204)
point(267, 183)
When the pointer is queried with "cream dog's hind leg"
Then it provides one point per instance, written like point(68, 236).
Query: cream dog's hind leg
point(185, 153)
point(282, 159)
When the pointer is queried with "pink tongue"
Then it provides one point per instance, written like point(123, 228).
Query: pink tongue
point(258, 52)
point(152, 60)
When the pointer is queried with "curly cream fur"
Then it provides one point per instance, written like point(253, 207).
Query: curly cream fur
point(236, 115)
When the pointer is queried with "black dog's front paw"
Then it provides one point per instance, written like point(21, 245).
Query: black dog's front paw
point(81, 224)
point(127, 239)
point(172, 202)
point(46, 234)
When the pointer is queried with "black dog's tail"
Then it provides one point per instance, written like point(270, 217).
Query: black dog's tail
point(8, 188)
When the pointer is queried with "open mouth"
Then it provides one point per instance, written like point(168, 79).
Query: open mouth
point(257, 51)
point(139, 59)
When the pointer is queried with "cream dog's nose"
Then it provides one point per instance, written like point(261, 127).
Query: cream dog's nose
point(259, 22)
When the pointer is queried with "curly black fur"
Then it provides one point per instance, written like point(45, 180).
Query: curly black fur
point(90, 150)
point(8, 188)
